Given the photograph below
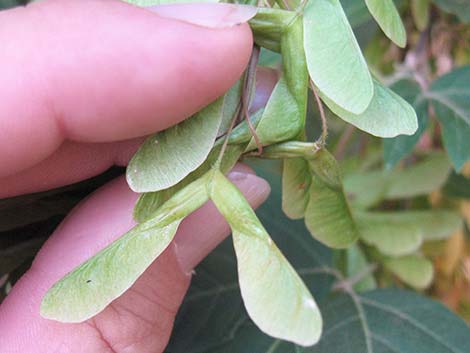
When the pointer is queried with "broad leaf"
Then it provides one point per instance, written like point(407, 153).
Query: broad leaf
point(354, 263)
point(168, 156)
point(89, 288)
point(457, 186)
point(388, 115)
point(388, 321)
point(296, 181)
point(388, 18)
point(381, 321)
point(334, 59)
point(328, 217)
point(274, 295)
point(212, 318)
point(450, 96)
point(414, 270)
point(461, 8)
point(399, 147)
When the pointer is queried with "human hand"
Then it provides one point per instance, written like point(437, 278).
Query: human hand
point(82, 81)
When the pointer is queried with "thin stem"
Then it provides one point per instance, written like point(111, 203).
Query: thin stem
point(340, 149)
point(227, 136)
point(242, 108)
point(248, 91)
point(324, 126)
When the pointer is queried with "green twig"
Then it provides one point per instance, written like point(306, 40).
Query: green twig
point(290, 149)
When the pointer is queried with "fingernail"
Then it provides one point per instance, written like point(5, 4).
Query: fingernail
point(202, 231)
point(207, 15)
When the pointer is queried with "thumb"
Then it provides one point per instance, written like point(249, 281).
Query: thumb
point(142, 318)
point(104, 71)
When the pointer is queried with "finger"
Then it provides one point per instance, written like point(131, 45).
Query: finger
point(75, 161)
point(141, 319)
point(70, 163)
point(100, 71)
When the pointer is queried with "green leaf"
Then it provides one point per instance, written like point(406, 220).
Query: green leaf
point(334, 59)
point(356, 263)
point(388, 321)
point(357, 13)
point(168, 156)
point(274, 295)
point(381, 321)
point(414, 270)
point(461, 8)
point(450, 96)
point(268, 58)
point(394, 234)
point(327, 216)
point(93, 285)
point(212, 318)
point(457, 186)
point(388, 115)
point(399, 147)
point(388, 18)
point(296, 181)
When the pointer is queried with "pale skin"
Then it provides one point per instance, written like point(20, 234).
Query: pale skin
point(82, 83)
